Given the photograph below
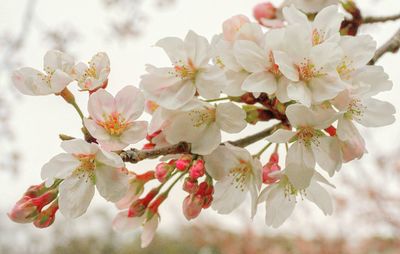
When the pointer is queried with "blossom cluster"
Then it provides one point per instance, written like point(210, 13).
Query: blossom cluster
point(314, 81)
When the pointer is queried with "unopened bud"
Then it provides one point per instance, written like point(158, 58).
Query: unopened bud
point(24, 211)
point(183, 162)
point(192, 206)
point(264, 11)
point(197, 169)
point(231, 26)
point(139, 206)
point(207, 200)
point(270, 167)
point(162, 171)
point(153, 207)
point(46, 217)
point(190, 185)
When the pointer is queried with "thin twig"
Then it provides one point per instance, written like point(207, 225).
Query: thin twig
point(392, 45)
point(135, 155)
point(370, 20)
point(255, 137)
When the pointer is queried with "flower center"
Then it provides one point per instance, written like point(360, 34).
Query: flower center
point(344, 68)
point(87, 166)
point(274, 69)
point(185, 70)
point(240, 175)
point(317, 37)
point(308, 135)
point(308, 71)
point(355, 109)
point(203, 116)
point(115, 124)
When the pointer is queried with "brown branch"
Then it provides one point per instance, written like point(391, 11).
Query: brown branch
point(370, 20)
point(134, 155)
point(255, 137)
point(392, 45)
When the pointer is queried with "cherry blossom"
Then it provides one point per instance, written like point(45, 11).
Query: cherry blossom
point(93, 75)
point(57, 67)
point(312, 6)
point(173, 87)
point(112, 120)
point(237, 173)
point(82, 167)
point(281, 197)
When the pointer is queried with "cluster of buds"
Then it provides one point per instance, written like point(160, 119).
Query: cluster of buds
point(30, 207)
point(200, 195)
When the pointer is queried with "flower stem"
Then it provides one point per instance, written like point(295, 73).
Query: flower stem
point(166, 192)
point(77, 109)
point(258, 155)
point(218, 99)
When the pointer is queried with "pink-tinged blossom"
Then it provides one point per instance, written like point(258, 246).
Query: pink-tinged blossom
point(173, 87)
point(264, 10)
point(232, 26)
point(82, 167)
point(93, 75)
point(310, 144)
point(112, 120)
point(57, 70)
point(281, 197)
point(237, 173)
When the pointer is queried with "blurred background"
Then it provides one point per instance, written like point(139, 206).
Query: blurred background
point(367, 210)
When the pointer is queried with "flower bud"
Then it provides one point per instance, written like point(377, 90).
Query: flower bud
point(153, 207)
point(207, 200)
point(197, 169)
point(192, 206)
point(35, 190)
point(162, 171)
point(139, 206)
point(231, 26)
point(46, 217)
point(270, 167)
point(24, 211)
point(183, 162)
point(190, 185)
point(264, 11)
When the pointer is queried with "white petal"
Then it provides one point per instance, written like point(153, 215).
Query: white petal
point(251, 56)
point(327, 154)
point(328, 22)
point(76, 192)
point(281, 92)
point(262, 82)
point(28, 81)
point(55, 59)
point(358, 49)
point(286, 65)
point(230, 118)
point(219, 162)
point(59, 167)
point(281, 136)
point(101, 104)
point(176, 96)
point(59, 80)
point(96, 130)
point(319, 196)
point(197, 48)
point(294, 16)
point(278, 207)
point(123, 223)
point(79, 146)
point(208, 141)
point(111, 183)
point(299, 91)
point(135, 133)
point(227, 197)
point(325, 88)
point(207, 86)
point(174, 48)
point(149, 230)
point(299, 175)
point(378, 113)
point(130, 102)
point(109, 158)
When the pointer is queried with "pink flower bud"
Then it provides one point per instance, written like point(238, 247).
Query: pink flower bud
point(183, 162)
point(162, 171)
point(46, 217)
point(24, 211)
point(139, 206)
point(197, 169)
point(264, 11)
point(192, 206)
point(231, 26)
point(190, 185)
point(270, 167)
point(353, 148)
point(207, 200)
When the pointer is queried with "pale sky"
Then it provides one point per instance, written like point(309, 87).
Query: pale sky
point(37, 121)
